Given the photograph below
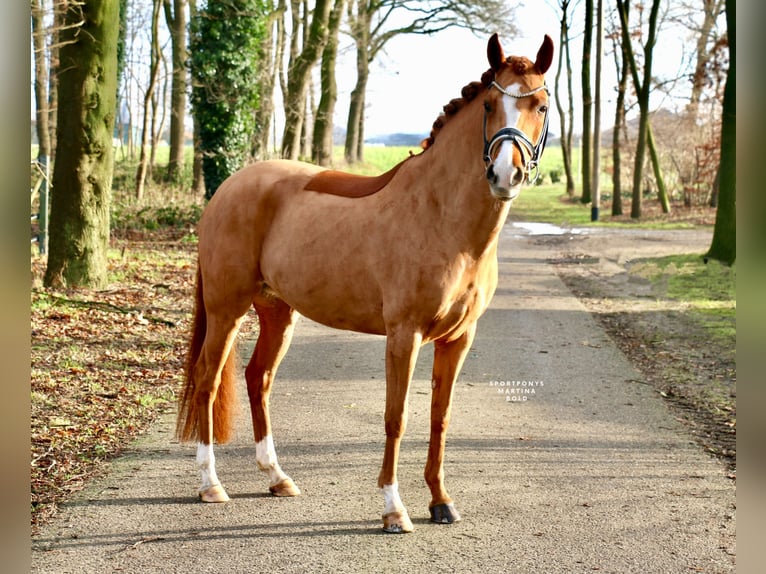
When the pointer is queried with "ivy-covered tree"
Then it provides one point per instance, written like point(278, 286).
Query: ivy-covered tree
point(226, 42)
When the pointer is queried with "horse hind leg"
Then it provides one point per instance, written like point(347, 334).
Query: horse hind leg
point(276, 324)
point(214, 373)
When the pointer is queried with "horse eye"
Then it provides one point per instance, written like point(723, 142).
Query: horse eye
point(542, 109)
point(487, 107)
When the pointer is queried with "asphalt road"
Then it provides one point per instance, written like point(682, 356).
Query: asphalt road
point(559, 459)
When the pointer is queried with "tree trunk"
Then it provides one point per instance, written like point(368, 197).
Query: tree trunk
point(360, 31)
point(566, 118)
point(724, 244)
point(159, 114)
point(621, 62)
point(41, 81)
point(176, 21)
point(198, 177)
point(642, 91)
point(655, 158)
point(82, 178)
point(596, 166)
point(42, 115)
point(146, 129)
point(298, 79)
point(265, 111)
point(587, 103)
point(59, 9)
point(321, 151)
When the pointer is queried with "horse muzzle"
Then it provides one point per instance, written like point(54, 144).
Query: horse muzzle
point(505, 188)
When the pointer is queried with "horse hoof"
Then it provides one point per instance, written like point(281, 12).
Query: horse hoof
point(397, 523)
point(444, 513)
point(285, 488)
point(214, 493)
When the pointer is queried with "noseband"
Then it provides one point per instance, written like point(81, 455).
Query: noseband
point(517, 137)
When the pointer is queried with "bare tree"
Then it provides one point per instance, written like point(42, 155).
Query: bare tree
point(41, 82)
point(321, 151)
point(272, 55)
point(566, 117)
point(621, 65)
point(146, 130)
point(596, 167)
point(586, 146)
point(371, 27)
point(198, 179)
point(42, 116)
point(175, 17)
point(299, 73)
point(643, 90)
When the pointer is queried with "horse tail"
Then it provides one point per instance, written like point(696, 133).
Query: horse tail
point(187, 421)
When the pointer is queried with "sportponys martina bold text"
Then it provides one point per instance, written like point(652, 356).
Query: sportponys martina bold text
point(517, 391)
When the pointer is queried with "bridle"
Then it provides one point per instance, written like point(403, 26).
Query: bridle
point(530, 153)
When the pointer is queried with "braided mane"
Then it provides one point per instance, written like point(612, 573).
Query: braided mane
point(520, 64)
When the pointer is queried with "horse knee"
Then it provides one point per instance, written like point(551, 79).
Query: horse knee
point(439, 427)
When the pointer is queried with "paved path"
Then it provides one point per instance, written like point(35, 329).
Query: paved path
point(583, 469)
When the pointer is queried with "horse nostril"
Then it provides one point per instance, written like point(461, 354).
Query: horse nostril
point(491, 175)
point(518, 176)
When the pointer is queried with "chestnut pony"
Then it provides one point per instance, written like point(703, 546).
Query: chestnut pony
point(410, 254)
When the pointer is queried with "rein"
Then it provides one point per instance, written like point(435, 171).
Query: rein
point(517, 137)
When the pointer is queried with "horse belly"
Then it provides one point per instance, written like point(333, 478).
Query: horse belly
point(336, 308)
point(325, 278)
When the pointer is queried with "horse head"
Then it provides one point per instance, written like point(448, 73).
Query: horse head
point(516, 112)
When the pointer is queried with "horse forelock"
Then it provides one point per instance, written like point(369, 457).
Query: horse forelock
point(520, 65)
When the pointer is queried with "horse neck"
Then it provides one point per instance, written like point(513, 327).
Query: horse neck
point(455, 179)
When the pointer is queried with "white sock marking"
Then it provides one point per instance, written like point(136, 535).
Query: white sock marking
point(266, 457)
point(206, 465)
point(391, 498)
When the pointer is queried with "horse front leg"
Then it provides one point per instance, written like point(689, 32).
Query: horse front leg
point(448, 360)
point(401, 354)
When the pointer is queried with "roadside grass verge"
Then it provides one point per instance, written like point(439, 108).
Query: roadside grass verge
point(707, 291)
point(691, 351)
point(549, 203)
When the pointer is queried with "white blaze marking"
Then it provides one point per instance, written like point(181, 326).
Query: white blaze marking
point(504, 161)
point(266, 458)
point(391, 498)
point(206, 465)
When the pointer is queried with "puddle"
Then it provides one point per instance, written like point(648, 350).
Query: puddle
point(532, 228)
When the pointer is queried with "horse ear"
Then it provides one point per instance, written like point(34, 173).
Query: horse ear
point(495, 53)
point(544, 55)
